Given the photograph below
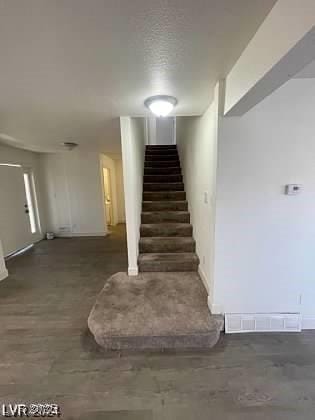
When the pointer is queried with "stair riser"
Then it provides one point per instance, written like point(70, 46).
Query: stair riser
point(162, 171)
point(175, 186)
point(161, 157)
point(167, 205)
point(162, 178)
point(157, 266)
point(161, 152)
point(156, 230)
point(164, 196)
point(161, 216)
point(161, 147)
point(159, 245)
point(162, 164)
point(190, 342)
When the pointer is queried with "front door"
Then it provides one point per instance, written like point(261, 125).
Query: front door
point(15, 227)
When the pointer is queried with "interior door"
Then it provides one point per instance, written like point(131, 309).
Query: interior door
point(15, 228)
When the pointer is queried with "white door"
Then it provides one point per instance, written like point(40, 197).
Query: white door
point(15, 227)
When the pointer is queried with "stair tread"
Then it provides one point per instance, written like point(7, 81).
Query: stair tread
point(167, 238)
point(166, 224)
point(163, 186)
point(167, 212)
point(164, 195)
point(168, 256)
point(166, 244)
point(166, 234)
point(162, 201)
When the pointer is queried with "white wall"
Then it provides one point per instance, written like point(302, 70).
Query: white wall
point(265, 240)
point(74, 193)
point(3, 269)
point(281, 47)
point(133, 149)
point(165, 130)
point(30, 160)
point(151, 130)
point(197, 147)
point(160, 131)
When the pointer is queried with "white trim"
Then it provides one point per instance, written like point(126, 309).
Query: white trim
point(133, 271)
point(3, 274)
point(19, 252)
point(308, 323)
point(203, 278)
point(174, 130)
point(214, 308)
point(78, 234)
point(262, 322)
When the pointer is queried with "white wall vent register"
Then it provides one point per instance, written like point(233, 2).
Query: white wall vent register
point(273, 322)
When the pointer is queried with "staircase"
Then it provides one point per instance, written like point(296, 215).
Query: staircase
point(166, 242)
point(158, 310)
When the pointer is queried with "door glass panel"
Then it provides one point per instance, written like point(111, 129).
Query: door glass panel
point(29, 202)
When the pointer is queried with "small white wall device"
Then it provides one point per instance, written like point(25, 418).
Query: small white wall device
point(293, 189)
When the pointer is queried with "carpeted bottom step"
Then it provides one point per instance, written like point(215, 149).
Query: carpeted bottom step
point(154, 262)
point(154, 311)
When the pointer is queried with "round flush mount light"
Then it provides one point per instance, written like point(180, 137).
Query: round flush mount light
point(69, 145)
point(160, 105)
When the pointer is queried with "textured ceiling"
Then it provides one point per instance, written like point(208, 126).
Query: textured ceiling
point(70, 68)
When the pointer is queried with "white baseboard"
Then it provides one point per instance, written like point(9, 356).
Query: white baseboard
point(260, 322)
point(79, 234)
point(308, 323)
point(133, 271)
point(214, 308)
point(3, 274)
point(203, 278)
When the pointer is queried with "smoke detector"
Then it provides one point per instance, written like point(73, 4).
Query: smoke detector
point(69, 145)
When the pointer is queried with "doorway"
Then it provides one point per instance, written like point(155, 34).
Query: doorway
point(108, 202)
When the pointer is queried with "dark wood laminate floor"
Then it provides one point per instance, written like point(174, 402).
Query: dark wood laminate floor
point(47, 355)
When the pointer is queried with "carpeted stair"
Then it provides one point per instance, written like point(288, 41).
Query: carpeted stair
point(154, 311)
point(165, 306)
point(166, 242)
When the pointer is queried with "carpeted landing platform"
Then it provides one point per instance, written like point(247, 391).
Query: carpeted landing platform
point(154, 311)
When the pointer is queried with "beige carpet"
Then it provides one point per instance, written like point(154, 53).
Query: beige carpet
point(154, 310)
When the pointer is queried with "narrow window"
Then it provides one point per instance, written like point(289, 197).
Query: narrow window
point(29, 200)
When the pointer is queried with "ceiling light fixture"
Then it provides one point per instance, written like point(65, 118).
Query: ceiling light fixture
point(161, 105)
point(69, 145)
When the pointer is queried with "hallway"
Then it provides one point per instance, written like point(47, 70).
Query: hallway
point(47, 354)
